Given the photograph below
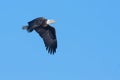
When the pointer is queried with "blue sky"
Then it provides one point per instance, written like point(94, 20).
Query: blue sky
point(88, 33)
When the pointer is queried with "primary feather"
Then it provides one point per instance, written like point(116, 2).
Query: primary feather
point(46, 32)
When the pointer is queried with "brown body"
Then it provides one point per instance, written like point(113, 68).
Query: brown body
point(47, 33)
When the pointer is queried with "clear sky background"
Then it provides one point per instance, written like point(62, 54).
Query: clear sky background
point(88, 33)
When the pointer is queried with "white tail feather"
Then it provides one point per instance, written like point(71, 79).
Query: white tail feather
point(25, 27)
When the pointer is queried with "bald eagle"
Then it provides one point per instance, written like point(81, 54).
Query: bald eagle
point(42, 26)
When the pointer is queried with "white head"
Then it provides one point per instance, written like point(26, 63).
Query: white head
point(51, 21)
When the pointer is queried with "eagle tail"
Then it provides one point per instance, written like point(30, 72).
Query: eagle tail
point(29, 29)
point(25, 27)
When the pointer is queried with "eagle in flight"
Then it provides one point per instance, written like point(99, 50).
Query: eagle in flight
point(42, 26)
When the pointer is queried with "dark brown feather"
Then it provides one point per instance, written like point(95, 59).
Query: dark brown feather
point(45, 31)
point(48, 35)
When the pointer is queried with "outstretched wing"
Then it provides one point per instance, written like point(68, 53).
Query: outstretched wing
point(49, 37)
point(35, 23)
